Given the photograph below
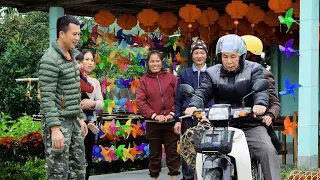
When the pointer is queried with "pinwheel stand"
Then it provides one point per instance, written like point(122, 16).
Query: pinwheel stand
point(120, 143)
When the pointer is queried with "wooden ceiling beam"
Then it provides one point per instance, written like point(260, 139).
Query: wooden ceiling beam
point(45, 6)
point(11, 3)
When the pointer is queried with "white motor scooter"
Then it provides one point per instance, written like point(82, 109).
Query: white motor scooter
point(222, 151)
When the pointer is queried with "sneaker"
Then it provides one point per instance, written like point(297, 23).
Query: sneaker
point(93, 128)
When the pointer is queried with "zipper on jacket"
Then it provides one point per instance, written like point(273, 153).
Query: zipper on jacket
point(62, 103)
point(199, 78)
point(163, 107)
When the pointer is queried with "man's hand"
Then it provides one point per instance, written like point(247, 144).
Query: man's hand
point(87, 104)
point(189, 111)
point(177, 128)
point(267, 120)
point(84, 127)
point(160, 118)
point(57, 138)
point(258, 110)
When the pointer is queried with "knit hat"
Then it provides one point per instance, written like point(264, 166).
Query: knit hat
point(198, 44)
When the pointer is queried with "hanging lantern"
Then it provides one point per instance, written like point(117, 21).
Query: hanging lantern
point(279, 6)
point(264, 29)
point(148, 28)
point(244, 26)
point(271, 19)
point(167, 20)
point(222, 32)
point(169, 31)
point(208, 17)
point(187, 27)
point(127, 21)
point(190, 13)
point(296, 8)
point(237, 9)
point(226, 22)
point(255, 14)
point(104, 18)
point(206, 33)
point(148, 17)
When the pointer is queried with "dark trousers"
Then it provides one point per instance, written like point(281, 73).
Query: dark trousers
point(89, 143)
point(187, 172)
point(261, 147)
point(158, 134)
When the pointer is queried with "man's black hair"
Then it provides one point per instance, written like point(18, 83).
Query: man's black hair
point(80, 57)
point(63, 23)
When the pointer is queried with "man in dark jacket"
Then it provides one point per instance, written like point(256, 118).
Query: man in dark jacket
point(192, 76)
point(228, 83)
point(254, 48)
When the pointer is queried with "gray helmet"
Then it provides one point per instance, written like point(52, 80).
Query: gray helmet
point(231, 43)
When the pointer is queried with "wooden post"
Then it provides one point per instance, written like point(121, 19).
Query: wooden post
point(284, 148)
point(295, 141)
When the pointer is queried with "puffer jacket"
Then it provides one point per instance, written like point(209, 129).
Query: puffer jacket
point(155, 94)
point(59, 86)
point(194, 79)
point(230, 87)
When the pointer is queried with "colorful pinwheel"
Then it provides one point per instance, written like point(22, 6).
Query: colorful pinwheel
point(288, 50)
point(289, 127)
point(290, 88)
point(288, 20)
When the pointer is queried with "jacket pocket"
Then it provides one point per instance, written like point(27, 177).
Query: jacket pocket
point(62, 103)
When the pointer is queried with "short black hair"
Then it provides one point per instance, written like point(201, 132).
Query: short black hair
point(80, 57)
point(63, 23)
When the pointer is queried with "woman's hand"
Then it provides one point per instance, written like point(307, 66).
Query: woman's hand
point(160, 118)
point(87, 104)
point(169, 117)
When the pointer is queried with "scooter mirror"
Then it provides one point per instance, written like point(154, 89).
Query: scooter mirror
point(186, 89)
point(261, 85)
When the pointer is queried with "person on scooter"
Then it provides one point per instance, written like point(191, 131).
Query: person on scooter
point(228, 82)
point(254, 51)
point(192, 76)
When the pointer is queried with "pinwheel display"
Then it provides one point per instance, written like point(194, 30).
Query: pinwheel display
point(289, 127)
point(124, 62)
point(288, 20)
point(290, 88)
point(134, 84)
point(288, 50)
point(114, 128)
point(136, 129)
point(121, 103)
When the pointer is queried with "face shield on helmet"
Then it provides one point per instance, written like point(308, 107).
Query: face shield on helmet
point(254, 44)
point(231, 43)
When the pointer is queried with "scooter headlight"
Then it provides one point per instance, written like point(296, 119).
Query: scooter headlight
point(219, 113)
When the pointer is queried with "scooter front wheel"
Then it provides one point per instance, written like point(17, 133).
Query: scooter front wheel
point(213, 174)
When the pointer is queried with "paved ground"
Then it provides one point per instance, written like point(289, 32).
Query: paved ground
point(143, 174)
point(133, 175)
